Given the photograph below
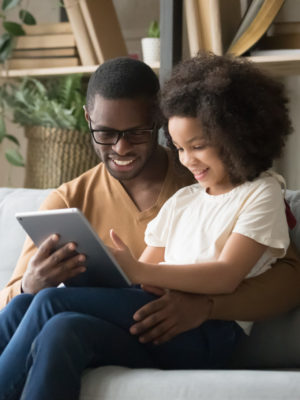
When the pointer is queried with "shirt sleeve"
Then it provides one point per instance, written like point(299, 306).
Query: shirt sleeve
point(13, 287)
point(263, 218)
point(157, 231)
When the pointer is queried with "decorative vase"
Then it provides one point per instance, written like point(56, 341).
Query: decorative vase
point(151, 51)
point(55, 156)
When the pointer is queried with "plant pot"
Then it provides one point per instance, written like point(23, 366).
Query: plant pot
point(151, 51)
point(55, 156)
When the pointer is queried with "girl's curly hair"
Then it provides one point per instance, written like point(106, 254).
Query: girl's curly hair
point(242, 111)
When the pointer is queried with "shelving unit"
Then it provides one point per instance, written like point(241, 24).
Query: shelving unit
point(171, 36)
point(281, 65)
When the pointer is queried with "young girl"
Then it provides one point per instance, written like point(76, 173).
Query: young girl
point(227, 122)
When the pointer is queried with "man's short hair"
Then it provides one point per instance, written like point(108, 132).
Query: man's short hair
point(122, 77)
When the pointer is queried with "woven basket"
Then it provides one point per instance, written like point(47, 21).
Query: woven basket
point(55, 156)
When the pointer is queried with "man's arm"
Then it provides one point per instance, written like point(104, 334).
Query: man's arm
point(268, 294)
point(275, 291)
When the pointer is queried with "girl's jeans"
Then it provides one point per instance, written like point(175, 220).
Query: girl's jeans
point(47, 340)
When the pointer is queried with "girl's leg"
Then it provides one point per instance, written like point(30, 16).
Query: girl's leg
point(209, 346)
point(71, 342)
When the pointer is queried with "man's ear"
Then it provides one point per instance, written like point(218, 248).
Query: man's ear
point(86, 114)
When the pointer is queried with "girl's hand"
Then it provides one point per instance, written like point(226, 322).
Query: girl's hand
point(126, 260)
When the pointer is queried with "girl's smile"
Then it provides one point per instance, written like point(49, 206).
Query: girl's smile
point(199, 157)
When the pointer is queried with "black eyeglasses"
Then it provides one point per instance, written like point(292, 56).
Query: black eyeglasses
point(112, 136)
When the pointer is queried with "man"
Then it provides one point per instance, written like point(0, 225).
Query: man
point(124, 192)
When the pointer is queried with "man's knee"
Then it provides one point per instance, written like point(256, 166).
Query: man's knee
point(47, 298)
point(61, 337)
point(19, 303)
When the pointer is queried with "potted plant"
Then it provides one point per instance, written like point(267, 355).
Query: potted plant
point(12, 29)
point(59, 146)
point(151, 45)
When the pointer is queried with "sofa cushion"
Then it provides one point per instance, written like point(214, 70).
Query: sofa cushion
point(293, 198)
point(11, 233)
point(110, 383)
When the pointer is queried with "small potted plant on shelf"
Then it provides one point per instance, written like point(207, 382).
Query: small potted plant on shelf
point(59, 145)
point(151, 45)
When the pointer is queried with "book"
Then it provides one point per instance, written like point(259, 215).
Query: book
point(256, 21)
point(29, 63)
point(192, 17)
point(45, 41)
point(83, 42)
point(209, 24)
point(39, 53)
point(43, 29)
point(103, 28)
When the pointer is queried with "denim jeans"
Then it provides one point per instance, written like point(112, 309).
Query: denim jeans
point(47, 340)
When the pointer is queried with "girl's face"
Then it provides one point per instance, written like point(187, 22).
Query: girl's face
point(199, 157)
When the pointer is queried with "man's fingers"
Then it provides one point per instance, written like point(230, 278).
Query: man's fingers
point(148, 309)
point(46, 247)
point(165, 337)
point(64, 253)
point(156, 333)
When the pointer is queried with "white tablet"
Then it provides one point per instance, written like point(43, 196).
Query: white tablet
point(72, 226)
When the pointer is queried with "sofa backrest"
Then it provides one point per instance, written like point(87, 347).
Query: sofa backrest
point(272, 344)
point(12, 235)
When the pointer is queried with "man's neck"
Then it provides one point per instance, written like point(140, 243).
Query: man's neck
point(146, 187)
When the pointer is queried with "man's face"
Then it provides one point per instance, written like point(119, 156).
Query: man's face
point(123, 160)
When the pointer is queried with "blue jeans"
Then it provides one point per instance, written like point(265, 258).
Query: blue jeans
point(47, 340)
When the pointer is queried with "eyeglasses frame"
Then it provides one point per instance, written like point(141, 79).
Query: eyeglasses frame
point(120, 133)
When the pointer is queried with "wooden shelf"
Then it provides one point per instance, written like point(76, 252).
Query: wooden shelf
point(279, 65)
point(48, 72)
point(44, 72)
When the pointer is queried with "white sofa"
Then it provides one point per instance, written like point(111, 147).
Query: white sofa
point(272, 351)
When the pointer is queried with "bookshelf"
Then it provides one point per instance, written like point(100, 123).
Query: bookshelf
point(279, 65)
point(221, 22)
point(171, 31)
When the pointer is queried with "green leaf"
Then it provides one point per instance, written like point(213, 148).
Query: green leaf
point(2, 128)
point(6, 45)
point(7, 4)
point(12, 139)
point(13, 28)
point(27, 18)
point(14, 157)
point(154, 30)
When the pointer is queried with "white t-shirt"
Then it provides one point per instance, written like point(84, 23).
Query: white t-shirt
point(194, 226)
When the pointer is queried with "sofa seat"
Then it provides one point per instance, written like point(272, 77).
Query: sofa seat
point(273, 345)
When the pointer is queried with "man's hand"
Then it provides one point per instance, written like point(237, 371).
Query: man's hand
point(49, 267)
point(173, 313)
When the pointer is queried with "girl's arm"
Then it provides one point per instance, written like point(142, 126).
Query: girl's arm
point(153, 255)
point(238, 257)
